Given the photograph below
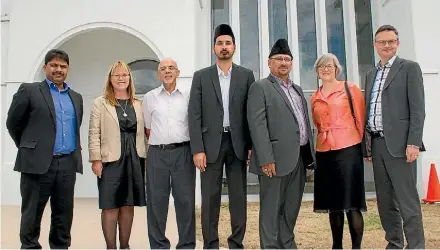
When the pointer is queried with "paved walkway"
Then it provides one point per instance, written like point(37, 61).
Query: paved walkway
point(86, 229)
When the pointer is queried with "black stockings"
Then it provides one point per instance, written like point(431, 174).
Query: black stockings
point(355, 223)
point(110, 219)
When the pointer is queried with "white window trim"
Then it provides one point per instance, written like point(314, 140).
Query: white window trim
point(321, 27)
point(263, 9)
point(234, 20)
point(351, 53)
point(292, 28)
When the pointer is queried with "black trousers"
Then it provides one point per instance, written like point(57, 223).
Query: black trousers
point(280, 201)
point(211, 186)
point(171, 169)
point(58, 183)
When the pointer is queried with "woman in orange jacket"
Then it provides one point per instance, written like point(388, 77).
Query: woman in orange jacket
point(339, 116)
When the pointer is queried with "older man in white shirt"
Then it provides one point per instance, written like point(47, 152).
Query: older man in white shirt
point(169, 159)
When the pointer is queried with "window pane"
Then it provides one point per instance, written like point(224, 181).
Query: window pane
point(277, 21)
point(364, 34)
point(307, 43)
point(219, 15)
point(144, 75)
point(335, 31)
point(249, 36)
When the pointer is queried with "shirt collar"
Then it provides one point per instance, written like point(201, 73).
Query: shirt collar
point(176, 90)
point(388, 64)
point(281, 82)
point(221, 73)
point(53, 86)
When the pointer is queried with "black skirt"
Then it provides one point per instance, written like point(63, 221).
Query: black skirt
point(122, 182)
point(339, 180)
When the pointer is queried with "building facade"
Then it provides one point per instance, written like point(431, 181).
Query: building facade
point(142, 32)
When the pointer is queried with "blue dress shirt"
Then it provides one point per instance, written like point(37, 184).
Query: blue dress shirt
point(65, 141)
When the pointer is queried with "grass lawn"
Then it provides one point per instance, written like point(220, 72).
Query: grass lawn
point(313, 229)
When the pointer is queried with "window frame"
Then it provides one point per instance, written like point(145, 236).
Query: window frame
point(351, 53)
point(142, 60)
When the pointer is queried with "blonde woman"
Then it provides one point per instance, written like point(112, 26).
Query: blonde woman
point(339, 114)
point(117, 150)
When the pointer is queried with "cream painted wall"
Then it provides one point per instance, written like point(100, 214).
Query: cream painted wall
point(157, 24)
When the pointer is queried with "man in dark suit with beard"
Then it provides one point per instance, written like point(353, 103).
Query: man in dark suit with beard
point(219, 136)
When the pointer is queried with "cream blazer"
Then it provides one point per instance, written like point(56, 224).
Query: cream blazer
point(104, 133)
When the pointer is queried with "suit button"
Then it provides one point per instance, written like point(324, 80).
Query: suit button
point(220, 132)
point(297, 132)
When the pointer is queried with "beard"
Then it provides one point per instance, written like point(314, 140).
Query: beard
point(224, 56)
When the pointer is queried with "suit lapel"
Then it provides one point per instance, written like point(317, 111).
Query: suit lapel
point(44, 88)
point(393, 72)
point(234, 81)
point(112, 110)
point(281, 92)
point(76, 106)
point(216, 83)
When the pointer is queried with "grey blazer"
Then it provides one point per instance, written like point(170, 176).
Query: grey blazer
point(205, 112)
point(275, 130)
point(403, 107)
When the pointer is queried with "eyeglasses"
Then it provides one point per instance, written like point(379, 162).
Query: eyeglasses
point(281, 59)
point(329, 67)
point(121, 75)
point(171, 68)
point(385, 42)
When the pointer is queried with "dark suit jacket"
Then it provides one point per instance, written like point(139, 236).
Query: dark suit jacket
point(31, 122)
point(403, 107)
point(205, 112)
point(275, 129)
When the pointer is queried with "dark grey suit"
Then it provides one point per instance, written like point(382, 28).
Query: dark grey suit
point(403, 115)
point(31, 123)
point(276, 139)
point(205, 115)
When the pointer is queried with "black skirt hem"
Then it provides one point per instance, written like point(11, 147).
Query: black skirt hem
point(117, 207)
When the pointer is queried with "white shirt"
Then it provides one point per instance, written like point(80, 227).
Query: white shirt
point(225, 83)
point(167, 115)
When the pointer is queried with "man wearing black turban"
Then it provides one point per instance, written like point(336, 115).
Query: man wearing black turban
point(282, 148)
point(219, 136)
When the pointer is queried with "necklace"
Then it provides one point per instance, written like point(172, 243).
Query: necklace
point(123, 109)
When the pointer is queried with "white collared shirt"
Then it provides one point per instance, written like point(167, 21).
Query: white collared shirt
point(166, 115)
point(225, 83)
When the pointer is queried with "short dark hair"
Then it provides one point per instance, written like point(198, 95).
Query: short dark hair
point(386, 27)
point(56, 53)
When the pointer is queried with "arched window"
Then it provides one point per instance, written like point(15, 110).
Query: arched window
point(145, 75)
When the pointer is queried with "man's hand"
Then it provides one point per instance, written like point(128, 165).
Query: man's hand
point(147, 133)
point(269, 169)
point(200, 161)
point(97, 168)
point(412, 152)
point(248, 162)
point(368, 159)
